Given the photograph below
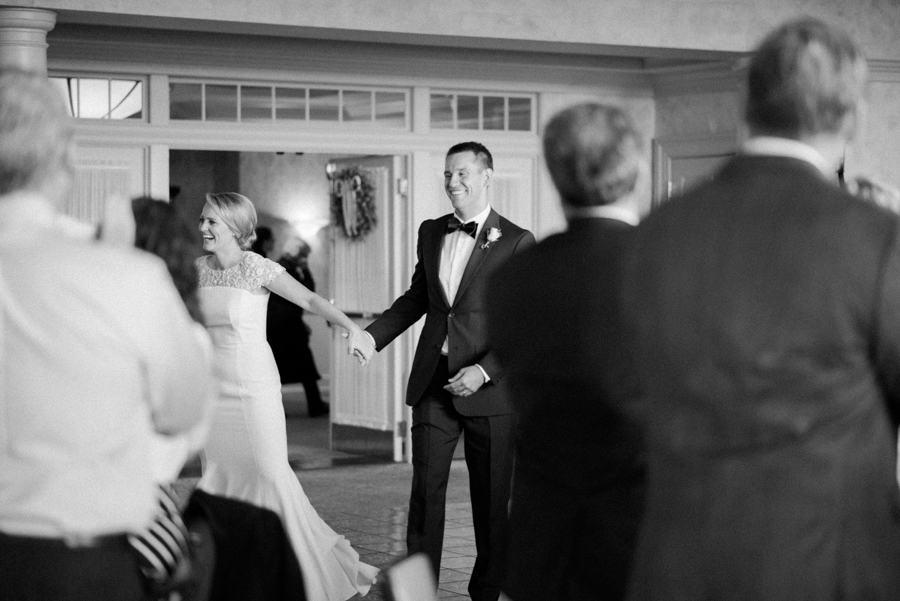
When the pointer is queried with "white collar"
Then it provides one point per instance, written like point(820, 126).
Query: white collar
point(480, 218)
point(618, 213)
point(786, 147)
point(25, 212)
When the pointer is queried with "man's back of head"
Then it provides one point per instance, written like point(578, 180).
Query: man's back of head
point(35, 136)
point(806, 79)
point(593, 152)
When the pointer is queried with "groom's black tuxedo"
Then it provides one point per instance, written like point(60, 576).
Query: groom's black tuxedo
point(438, 416)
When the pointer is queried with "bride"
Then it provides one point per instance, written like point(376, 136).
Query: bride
point(246, 453)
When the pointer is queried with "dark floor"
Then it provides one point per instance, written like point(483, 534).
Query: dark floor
point(366, 500)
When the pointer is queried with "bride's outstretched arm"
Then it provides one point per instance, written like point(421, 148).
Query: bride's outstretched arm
point(287, 287)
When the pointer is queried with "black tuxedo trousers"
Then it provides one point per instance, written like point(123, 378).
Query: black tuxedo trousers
point(437, 426)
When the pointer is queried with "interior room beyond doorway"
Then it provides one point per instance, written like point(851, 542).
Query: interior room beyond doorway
point(291, 192)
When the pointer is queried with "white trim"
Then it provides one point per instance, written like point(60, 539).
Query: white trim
point(314, 137)
point(159, 171)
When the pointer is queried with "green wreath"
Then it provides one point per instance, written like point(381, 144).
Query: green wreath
point(353, 203)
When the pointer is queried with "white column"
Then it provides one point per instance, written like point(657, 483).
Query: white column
point(23, 37)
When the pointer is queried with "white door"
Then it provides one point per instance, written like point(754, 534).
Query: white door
point(511, 192)
point(367, 276)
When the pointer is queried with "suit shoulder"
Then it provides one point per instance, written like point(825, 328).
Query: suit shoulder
point(429, 224)
point(522, 237)
point(508, 226)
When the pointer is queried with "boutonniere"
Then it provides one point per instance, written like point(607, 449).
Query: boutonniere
point(492, 236)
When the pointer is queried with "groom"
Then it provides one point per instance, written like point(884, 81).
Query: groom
point(456, 384)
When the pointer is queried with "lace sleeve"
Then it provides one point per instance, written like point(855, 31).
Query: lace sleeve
point(258, 271)
point(202, 270)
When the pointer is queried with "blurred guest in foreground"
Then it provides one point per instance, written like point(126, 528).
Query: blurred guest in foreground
point(96, 353)
point(767, 307)
point(175, 556)
point(578, 479)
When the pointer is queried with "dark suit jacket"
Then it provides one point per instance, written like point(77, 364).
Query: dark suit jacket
point(554, 321)
point(767, 305)
point(288, 334)
point(254, 560)
point(464, 321)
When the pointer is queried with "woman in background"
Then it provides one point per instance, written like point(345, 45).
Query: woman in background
point(246, 455)
point(288, 334)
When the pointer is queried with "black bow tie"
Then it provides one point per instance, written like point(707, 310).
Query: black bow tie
point(469, 228)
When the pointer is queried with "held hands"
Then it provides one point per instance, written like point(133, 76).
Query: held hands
point(466, 381)
point(359, 345)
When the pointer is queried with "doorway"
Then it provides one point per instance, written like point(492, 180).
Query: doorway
point(292, 195)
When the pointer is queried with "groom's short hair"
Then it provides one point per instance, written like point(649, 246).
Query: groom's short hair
point(593, 152)
point(482, 154)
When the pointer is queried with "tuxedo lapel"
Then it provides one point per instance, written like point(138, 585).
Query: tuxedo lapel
point(479, 254)
point(437, 245)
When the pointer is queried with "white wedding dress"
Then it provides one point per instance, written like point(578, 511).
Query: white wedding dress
point(246, 454)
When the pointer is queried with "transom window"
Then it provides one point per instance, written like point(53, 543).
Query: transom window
point(466, 110)
point(102, 97)
point(254, 103)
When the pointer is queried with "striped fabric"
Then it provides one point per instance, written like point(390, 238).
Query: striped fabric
point(163, 548)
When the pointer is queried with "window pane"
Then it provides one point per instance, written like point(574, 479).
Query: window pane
point(442, 111)
point(390, 109)
point(221, 103)
point(323, 105)
point(127, 98)
point(93, 101)
point(357, 106)
point(520, 114)
point(185, 101)
point(256, 103)
point(290, 103)
point(493, 112)
point(467, 112)
point(68, 89)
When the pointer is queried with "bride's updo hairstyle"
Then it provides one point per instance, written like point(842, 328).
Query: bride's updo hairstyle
point(238, 213)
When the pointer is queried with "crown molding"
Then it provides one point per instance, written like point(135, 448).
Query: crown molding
point(283, 59)
point(723, 76)
point(728, 76)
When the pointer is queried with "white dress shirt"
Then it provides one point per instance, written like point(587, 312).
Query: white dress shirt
point(785, 147)
point(455, 253)
point(96, 352)
point(619, 213)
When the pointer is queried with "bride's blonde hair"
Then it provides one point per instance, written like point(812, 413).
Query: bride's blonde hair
point(238, 213)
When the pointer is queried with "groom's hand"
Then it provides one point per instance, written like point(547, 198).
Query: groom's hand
point(466, 381)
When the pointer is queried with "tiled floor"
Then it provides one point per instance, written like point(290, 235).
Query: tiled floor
point(368, 503)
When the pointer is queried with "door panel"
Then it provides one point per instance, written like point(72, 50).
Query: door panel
point(365, 283)
point(511, 192)
point(681, 164)
point(101, 172)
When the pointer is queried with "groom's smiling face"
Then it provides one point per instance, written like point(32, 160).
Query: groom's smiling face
point(466, 181)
